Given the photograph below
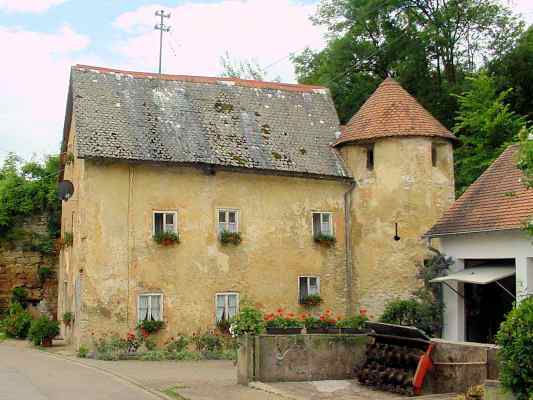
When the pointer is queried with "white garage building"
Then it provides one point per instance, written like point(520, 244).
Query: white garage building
point(493, 255)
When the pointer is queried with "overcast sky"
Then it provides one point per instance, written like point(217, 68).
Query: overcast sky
point(41, 39)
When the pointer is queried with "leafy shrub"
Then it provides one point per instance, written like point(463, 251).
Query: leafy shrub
point(516, 353)
point(150, 344)
point(227, 237)
point(19, 295)
point(18, 321)
point(409, 312)
point(154, 355)
point(44, 273)
point(356, 322)
point(207, 342)
point(111, 349)
point(150, 326)
point(83, 352)
point(249, 321)
point(166, 238)
point(43, 328)
point(178, 344)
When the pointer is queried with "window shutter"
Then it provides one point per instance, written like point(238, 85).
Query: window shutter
point(158, 223)
point(303, 288)
point(316, 224)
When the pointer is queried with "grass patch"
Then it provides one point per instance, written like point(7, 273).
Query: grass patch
point(3, 336)
point(173, 392)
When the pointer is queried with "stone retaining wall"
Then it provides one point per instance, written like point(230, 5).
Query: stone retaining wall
point(276, 358)
point(19, 268)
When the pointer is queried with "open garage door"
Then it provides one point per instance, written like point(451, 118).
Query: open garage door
point(489, 293)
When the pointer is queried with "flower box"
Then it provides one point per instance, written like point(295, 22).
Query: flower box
point(227, 237)
point(166, 238)
point(283, 331)
point(328, 240)
point(318, 330)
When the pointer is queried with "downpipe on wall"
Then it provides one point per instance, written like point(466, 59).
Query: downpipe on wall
point(348, 246)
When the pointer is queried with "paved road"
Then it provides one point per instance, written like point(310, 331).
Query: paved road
point(34, 375)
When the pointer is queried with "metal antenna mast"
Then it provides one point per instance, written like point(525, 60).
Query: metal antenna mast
point(162, 28)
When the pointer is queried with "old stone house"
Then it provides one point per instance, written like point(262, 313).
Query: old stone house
point(200, 157)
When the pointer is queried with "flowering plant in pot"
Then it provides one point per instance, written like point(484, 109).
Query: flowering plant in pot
point(322, 324)
point(281, 324)
point(352, 325)
point(325, 239)
point(68, 318)
point(166, 238)
point(147, 327)
point(227, 237)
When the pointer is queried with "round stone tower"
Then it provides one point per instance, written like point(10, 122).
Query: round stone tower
point(402, 160)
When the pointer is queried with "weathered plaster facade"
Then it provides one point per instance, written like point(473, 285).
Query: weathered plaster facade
point(405, 188)
point(114, 258)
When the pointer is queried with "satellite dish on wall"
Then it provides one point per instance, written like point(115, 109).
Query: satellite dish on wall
point(65, 190)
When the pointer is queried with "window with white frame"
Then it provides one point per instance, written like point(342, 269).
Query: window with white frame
point(322, 224)
point(227, 306)
point(150, 307)
point(165, 221)
point(228, 220)
point(307, 286)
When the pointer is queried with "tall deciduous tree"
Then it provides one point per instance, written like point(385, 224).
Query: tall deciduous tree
point(428, 45)
point(485, 126)
point(514, 68)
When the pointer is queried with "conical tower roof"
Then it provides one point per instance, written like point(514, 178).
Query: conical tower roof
point(391, 111)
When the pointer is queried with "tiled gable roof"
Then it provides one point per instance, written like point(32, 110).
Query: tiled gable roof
point(392, 111)
point(208, 121)
point(497, 200)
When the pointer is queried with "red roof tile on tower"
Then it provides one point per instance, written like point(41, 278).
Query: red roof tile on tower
point(392, 111)
point(497, 200)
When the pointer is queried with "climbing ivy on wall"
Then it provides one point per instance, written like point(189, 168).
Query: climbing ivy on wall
point(26, 189)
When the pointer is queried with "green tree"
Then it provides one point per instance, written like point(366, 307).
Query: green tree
point(428, 45)
point(525, 163)
point(26, 189)
point(514, 68)
point(516, 350)
point(485, 126)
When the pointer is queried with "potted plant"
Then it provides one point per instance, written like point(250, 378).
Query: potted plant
point(43, 330)
point(326, 239)
point(323, 324)
point(68, 317)
point(227, 237)
point(166, 238)
point(352, 325)
point(311, 300)
point(147, 327)
point(280, 324)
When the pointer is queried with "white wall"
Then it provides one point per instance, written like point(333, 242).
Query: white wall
point(514, 244)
